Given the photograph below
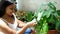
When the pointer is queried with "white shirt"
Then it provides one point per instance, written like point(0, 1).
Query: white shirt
point(13, 26)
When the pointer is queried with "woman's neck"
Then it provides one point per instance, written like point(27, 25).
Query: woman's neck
point(6, 17)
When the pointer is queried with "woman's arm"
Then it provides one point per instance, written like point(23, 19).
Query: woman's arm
point(20, 23)
point(5, 29)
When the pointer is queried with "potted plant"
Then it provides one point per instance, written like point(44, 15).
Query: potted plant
point(46, 18)
point(50, 17)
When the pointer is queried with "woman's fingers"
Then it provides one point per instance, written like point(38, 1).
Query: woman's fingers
point(31, 24)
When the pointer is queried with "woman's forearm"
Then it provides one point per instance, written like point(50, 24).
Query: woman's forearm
point(20, 23)
point(21, 31)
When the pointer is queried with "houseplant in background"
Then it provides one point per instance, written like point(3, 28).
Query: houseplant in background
point(50, 17)
point(47, 21)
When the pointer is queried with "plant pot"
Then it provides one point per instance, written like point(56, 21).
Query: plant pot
point(52, 32)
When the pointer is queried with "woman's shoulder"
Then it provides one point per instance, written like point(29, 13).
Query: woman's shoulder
point(2, 22)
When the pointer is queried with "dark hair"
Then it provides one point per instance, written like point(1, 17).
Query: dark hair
point(3, 7)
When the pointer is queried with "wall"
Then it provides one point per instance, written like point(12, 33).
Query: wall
point(19, 5)
point(33, 5)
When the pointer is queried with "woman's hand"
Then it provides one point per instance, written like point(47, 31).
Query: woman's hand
point(31, 24)
point(21, 25)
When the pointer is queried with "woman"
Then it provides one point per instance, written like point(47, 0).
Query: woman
point(9, 22)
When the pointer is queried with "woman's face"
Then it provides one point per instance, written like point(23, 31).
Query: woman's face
point(10, 9)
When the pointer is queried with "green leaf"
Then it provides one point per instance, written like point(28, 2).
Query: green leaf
point(29, 16)
point(58, 25)
point(52, 6)
point(56, 14)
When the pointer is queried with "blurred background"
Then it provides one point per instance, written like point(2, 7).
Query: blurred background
point(26, 10)
point(32, 5)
